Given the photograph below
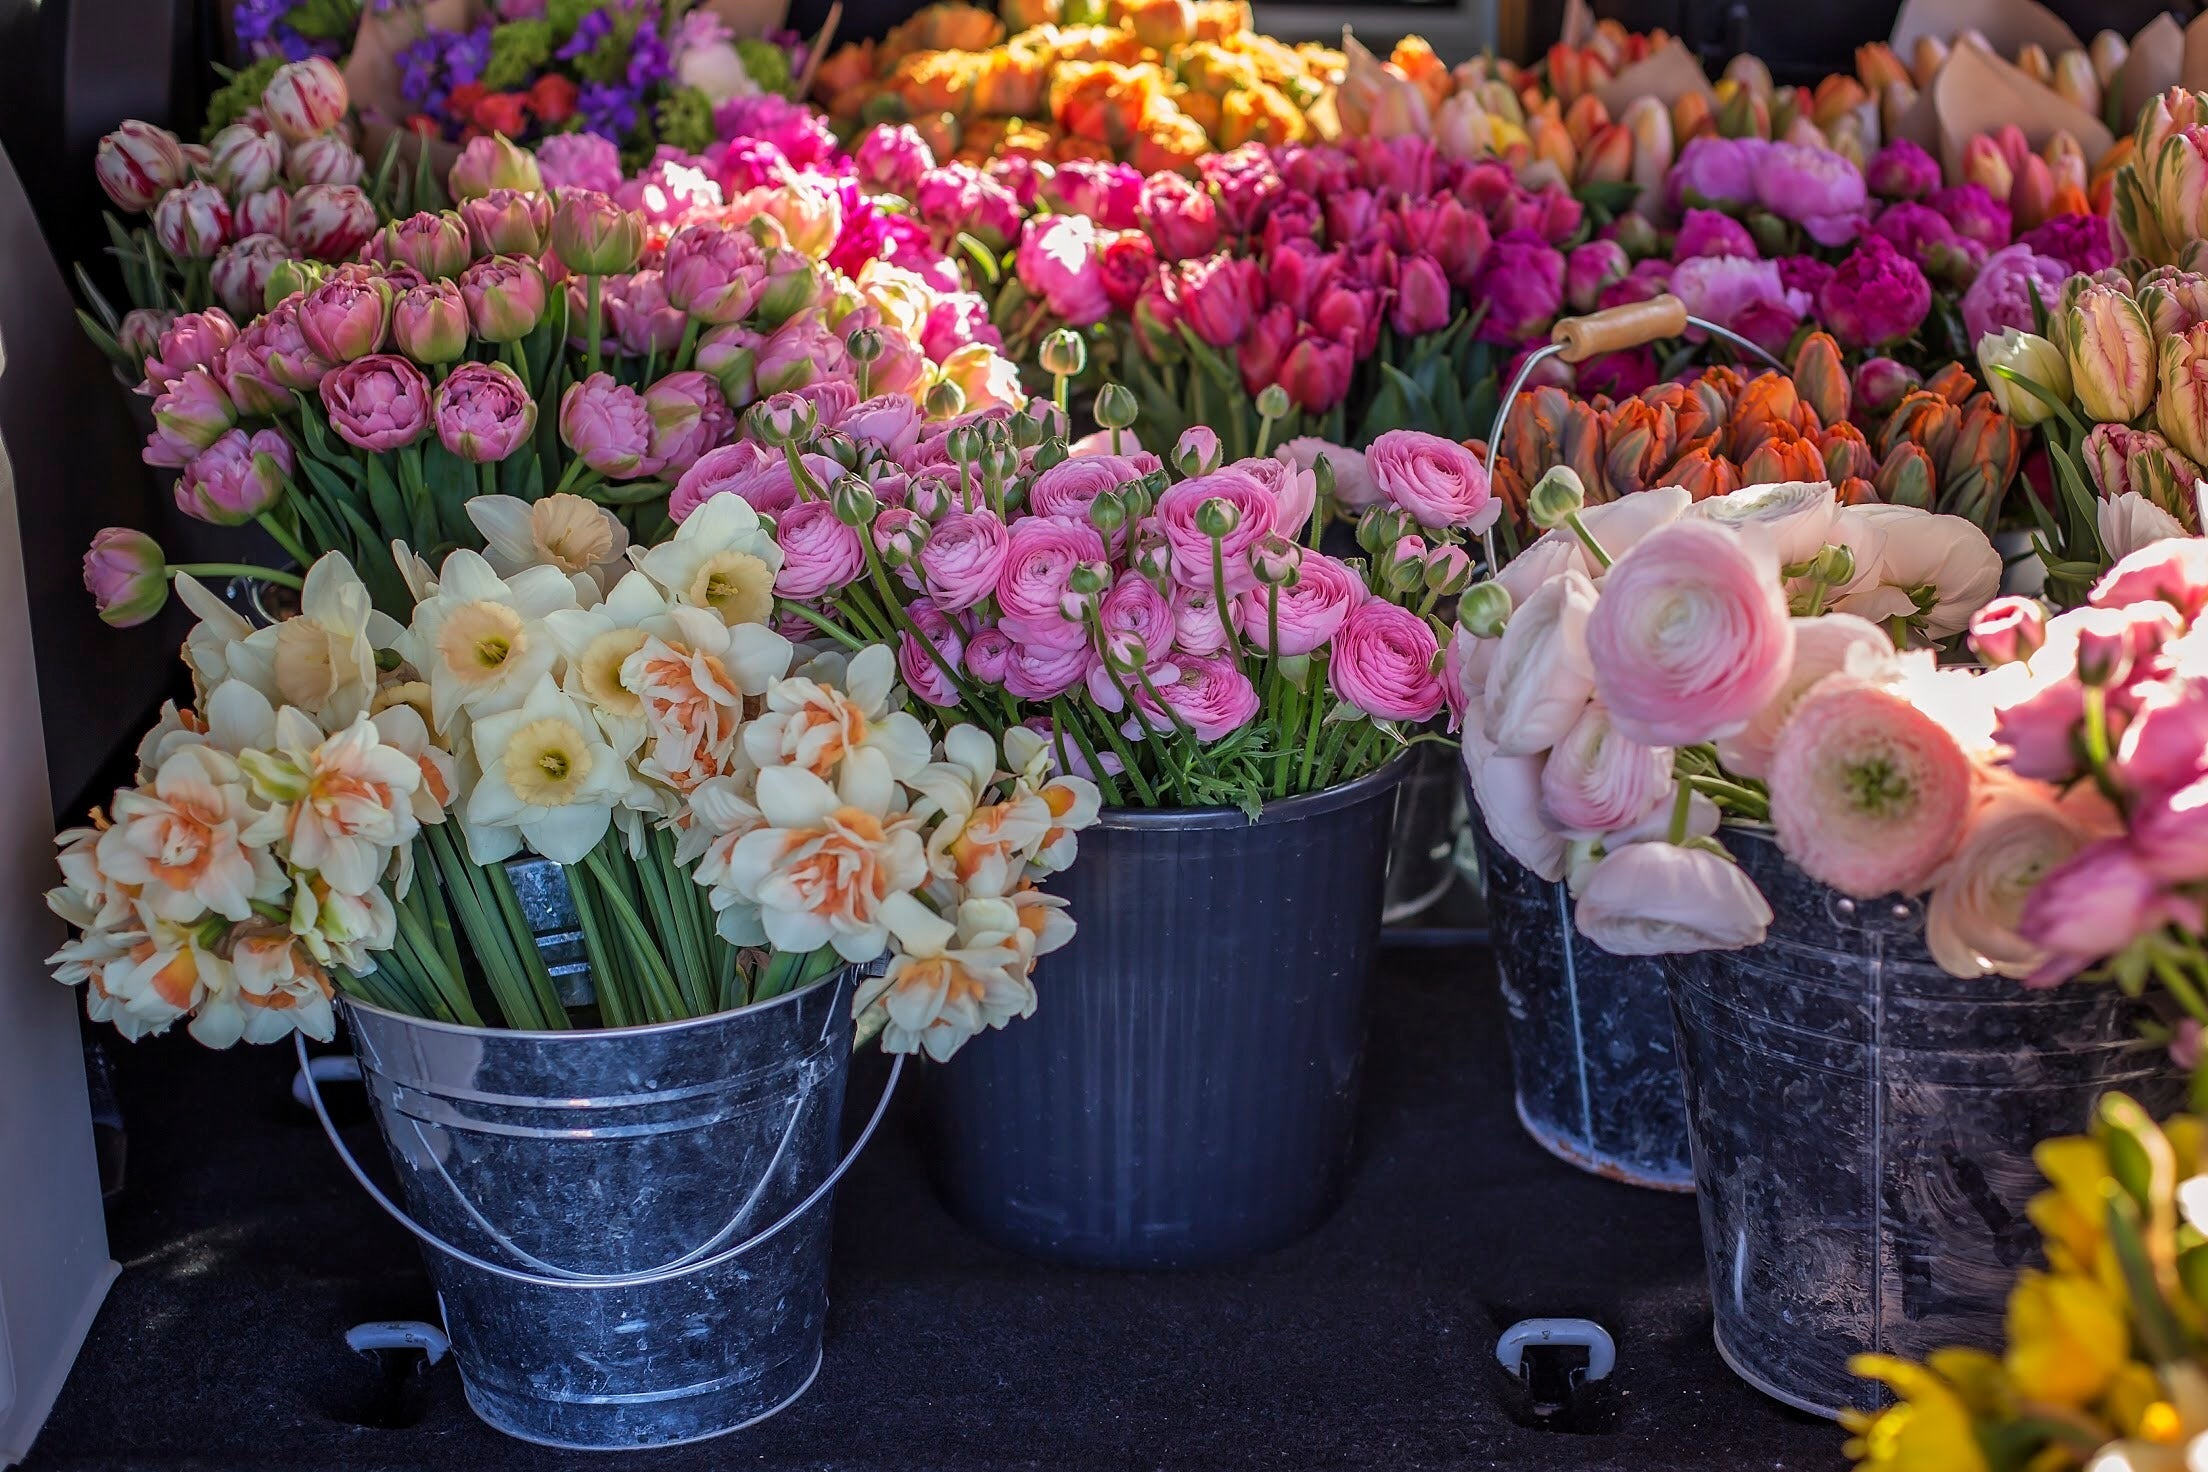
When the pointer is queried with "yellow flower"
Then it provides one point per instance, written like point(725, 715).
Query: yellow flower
point(2067, 1338)
point(1930, 1430)
point(2070, 1215)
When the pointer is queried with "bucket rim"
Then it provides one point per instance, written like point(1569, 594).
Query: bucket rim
point(599, 1034)
point(1273, 814)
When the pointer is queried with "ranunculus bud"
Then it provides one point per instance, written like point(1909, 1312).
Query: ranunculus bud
point(505, 296)
point(1404, 563)
point(1197, 451)
point(1555, 497)
point(192, 221)
point(1152, 556)
point(137, 164)
point(1381, 527)
point(491, 162)
point(244, 161)
point(1834, 565)
point(330, 221)
point(2008, 629)
point(853, 501)
point(430, 323)
point(593, 236)
point(1085, 583)
point(1273, 402)
point(1483, 609)
point(1063, 353)
point(945, 400)
point(899, 535)
point(326, 159)
point(865, 345)
point(1448, 569)
point(1275, 559)
point(839, 447)
point(784, 419)
point(1116, 407)
point(305, 98)
point(1107, 513)
point(127, 575)
point(1217, 517)
point(2028, 356)
point(434, 244)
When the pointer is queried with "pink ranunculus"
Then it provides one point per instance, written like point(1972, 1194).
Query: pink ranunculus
point(2165, 745)
point(889, 423)
point(1045, 671)
point(1295, 490)
point(484, 412)
point(1382, 662)
point(1070, 487)
point(508, 222)
point(1597, 781)
point(377, 403)
point(1214, 697)
point(689, 417)
point(1818, 189)
point(1539, 677)
point(988, 651)
point(1310, 609)
point(761, 476)
point(1691, 636)
point(230, 483)
point(608, 427)
point(1747, 296)
point(1354, 487)
point(1058, 262)
point(964, 557)
point(1438, 481)
point(1040, 554)
point(2173, 571)
point(2094, 906)
point(1250, 506)
point(1133, 606)
point(1876, 297)
point(713, 273)
point(923, 675)
point(1198, 628)
point(1822, 646)
point(1711, 233)
point(1868, 793)
point(2001, 296)
point(819, 553)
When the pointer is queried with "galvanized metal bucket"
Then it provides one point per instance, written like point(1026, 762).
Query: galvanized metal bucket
point(628, 1229)
point(1863, 1127)
point(1591, 1046)
point(1428, 816)
point(1187, 1089)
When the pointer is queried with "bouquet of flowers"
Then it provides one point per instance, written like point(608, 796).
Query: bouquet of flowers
point(1880, 434)
point(519, 350)
point(1158, 85)
point(1651, 666)
point(2104, 1367)
point(1171, 629)
point(736, 816)
point(279, 184)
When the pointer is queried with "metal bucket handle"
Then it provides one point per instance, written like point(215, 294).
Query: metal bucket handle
point(398, 1214)
point(1612, 329)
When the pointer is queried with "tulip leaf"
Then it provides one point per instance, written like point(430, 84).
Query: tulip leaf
point(388, 506)
point(1216, 368)
point(450, 481)
point(2042, 393)
point(1421, 407)
point(2192, 1271)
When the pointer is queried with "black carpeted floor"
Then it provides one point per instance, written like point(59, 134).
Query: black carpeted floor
point(247, 1254)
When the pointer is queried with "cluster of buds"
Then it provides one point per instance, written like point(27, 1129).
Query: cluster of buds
point(280, 184)
point(1941, 444)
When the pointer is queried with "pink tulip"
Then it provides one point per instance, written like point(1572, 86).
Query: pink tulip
point(236, 478)
point(377, 403)
point(2102, 900)
point(891, 157)
point(1421, 297)
point(490, 162)
point(430, 323)
point(1216, 297)
point(1180, 217)
point(305, 98)
point(329, 222)
point(192, 221)
point(190, 415)
point(2008, 629)
point(194, 340)
point(1109, 194)
point(265, 213)
point(1439, 482)
point(243, 161)
point(593, 236)
point(2165, 745)
point(1382, 662)
point(137, 164)
point(689, 417)
point(505, 297)
point(713, 273)
point(1691, 636)
point(484, 412)
point(819, 553)
point(1058, 262)
point(1316, 372)
point(507, 222)
point(608, 427)
point(579, 160)
point(434, 244)
point(127, 576)
point(1522, 279)
point(346, 318)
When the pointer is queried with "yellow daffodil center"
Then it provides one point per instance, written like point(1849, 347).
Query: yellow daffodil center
point(737, 586)
point(599, 671)
point(547, 763)
point(571, 533)
point(477, 641)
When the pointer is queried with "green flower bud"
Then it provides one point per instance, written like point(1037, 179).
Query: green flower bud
point(1272, 402)
point(865, 345)
point(1557, 495)
point(1107, 513)
point(1116, 407)
point(853, 501)
point(946, 400)
point(1216, 516)
point(1484, 609)
point(1064, 354)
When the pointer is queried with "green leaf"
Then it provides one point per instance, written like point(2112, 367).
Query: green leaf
point(388, 506)
point(1207, 357)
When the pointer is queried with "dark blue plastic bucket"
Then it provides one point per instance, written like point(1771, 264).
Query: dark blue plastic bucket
point(1591, 1046)
point(1186, 1090)
point(1863, 1127)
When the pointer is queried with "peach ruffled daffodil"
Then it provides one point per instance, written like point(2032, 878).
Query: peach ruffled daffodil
point(577, 536)
point(839, 712)
point(827, 860)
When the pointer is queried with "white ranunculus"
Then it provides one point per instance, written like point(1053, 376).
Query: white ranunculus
point(1822, 647)
point(1617, 525)
point(1795, 515)
point(1507, 791)
point(1541, 677)
point(1662, 899)
point(1935, 571)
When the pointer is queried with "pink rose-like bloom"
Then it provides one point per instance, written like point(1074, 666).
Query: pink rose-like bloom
point(1691, 636)
point(1439, 482)
point(988, 651)
point(761, 476)
point(1295, 490)
point(713, 273)
point(345, 318)
point(689, 417)
point(964, 557)
point(579, 160)
point(922, 675)
point(2095, 905)
point(377, 403)
point(194, 340)
point(1210, 694)
point(1354, 487)
point(1039, 557)
point(1310, 610)
point(1975, 214)
point(1070, 487)
point(1816, 188)
point(1902, 170)
point(2081, 242)
point(1711, 233)
point(1596, 781)
point(1876, 297)
point(888, 422)
point(1133, 606)
point(1382, 662)
point(227, 485)
point(484, 412)
point(1058, 262)
point(819, 553)
point(1715, 171)
point(1045, 671)
point(329, 222)
point(2001, 297)
point(1253, 507)
point(1197, 627)
point(1747, 296)
point(608, 427)
point(139, 334)
point(188, 417)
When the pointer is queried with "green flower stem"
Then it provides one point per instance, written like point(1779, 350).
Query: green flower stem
point(2181, 987)
point(968, 697)
point(666, 1000)
point(422, 953)
point(809, 487)
point(1221, 607)
point(615, 1004)
point(593, 317)
point(1594, 548)
point(689, 347)
point(1747, 801)
point(237, 570)
point(847, 640)
point(487, 931)
point(682, 903)
point(1066, 722)
point(533, 974)
point(1311, 731)
point(1682, 807)
point(283, 537)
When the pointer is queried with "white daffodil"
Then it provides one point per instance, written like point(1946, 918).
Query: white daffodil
point(722, 557)
point(827, 862)
point(480, 641)
point(323, 659)
point(944, 987)
point(720, 816)
point(546, 772)
point(568, 532)
point(208, 647)
point(193, 840)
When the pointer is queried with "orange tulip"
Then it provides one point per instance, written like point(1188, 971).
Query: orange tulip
point(1925, 63)
point(1787, 454)
point(1821, 378)
point(2032, 61)
point(1856, 491)
point(1172, 144)
point(1953, 383)
point(1922, 419)
point(1552, 143)
point(1022, 15)
point(1906, 477)
point(1847, 454)
point(1704, 475)
point(1417, 61)
point(2032, 197)
point(1216, 20)
point(1877, 65)
point(1637, 446)
point(1767, 405)
point(1692, 117)
point(1985, 165)
point(1009, 82)
point(1607, 157)
point(1259, 114)
point(1836, 97)
point(1584, 118)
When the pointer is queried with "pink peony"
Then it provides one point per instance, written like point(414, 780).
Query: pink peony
point(1382, 662)
point(377, 403)
point(2001, 296)
point(1691, 636)
point(1747, 296)
point(484, 412)
point(1902, 170)
point(819, 553)
point(963, 558)
point(1876, 297)
point(1439, 482)
point(579, 160)
point(1522, 281)
point(1707, 233)
point(1816, 188)
point(1868, 793)
point(689, 417)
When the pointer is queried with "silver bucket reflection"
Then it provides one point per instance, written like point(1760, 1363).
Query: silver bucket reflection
point(628, 1228)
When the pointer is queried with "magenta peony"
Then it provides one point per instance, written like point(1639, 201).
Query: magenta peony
point(1876, 297)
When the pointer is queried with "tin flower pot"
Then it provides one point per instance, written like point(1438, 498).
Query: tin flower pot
point(628, 1229)
point(1186, 1090)
point(1591, 1047)
point(1428, 816)
point(1863, 1125)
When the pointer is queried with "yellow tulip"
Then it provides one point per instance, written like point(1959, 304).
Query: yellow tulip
point(2067, 1339)
point(1930, 1430)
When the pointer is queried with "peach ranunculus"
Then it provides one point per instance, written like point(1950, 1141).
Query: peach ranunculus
point(2017, 834)
point(1931, 571)
point(1822, 646)
point(1653, 899)
point(193, 842)
point(1868, 793)
point(825, 866)
point(820, 724)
